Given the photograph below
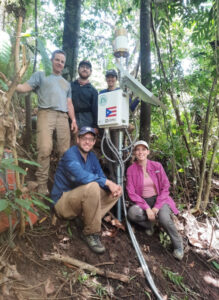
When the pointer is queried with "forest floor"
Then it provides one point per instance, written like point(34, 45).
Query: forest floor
point(36, 276)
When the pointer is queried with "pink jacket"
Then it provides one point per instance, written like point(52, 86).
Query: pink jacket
point(134, 185)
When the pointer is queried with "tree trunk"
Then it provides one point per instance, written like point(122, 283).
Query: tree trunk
point(36, 35)
point(71, 36)
point(28, 132)
point(2, 15)
point(209, 177)
point(145, 51)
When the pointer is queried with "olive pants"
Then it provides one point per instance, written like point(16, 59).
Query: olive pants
point(89, 202)
point(137, 215)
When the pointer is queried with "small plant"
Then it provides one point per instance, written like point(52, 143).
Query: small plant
point(101, 291)
point(174, 277)
point(215, 264)
point(148, 295)
point(82, 278)
point(178, 280)
point(214, 209)
point(16, 202)
point(164, 239)
point(176, 298)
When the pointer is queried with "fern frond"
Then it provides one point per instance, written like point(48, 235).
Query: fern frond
point(45, 58)
point(5, 50)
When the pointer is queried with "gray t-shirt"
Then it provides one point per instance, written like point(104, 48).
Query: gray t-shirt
point(52, 90)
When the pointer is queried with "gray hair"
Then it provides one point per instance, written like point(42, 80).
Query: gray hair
point(58, 52)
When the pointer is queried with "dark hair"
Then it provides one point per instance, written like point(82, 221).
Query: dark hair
point(111, 72)
point(85, 62)
point(58, 52)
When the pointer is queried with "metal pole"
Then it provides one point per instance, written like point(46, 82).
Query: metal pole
point(119, 175)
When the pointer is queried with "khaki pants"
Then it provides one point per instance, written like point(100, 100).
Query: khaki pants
point(47, 122)
point(90, 202)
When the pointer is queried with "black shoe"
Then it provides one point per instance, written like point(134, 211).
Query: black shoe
point(94, 243)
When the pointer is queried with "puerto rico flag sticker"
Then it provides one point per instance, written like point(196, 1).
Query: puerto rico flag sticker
point(111, 111)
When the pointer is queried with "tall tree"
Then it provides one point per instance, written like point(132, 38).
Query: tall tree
point(145, 54)
point(71, 36)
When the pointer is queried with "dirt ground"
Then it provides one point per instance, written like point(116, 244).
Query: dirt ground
point(40, 278)
point(27, 273)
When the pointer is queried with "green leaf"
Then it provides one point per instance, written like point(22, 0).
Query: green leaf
point(3, 204)
point(25, 35)
point(3, 85)
point(29, 162)
point(45, 58)
point(39, 203)
point(18, 193)
point(23, 203)
point(215, 264)
point(5, 50)
point(8, 164)
point(69, 231)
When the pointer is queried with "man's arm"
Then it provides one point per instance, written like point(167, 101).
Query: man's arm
point(114, 188)
point(95, 108)
point(71, 113)
point(24, 88)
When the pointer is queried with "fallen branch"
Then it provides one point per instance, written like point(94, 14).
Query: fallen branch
point(88, 267)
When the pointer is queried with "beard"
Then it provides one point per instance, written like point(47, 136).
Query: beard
point(83, 151)
point(84, 75)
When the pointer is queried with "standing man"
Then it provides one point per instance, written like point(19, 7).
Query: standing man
point(54, 107)
point(82, 190)
point(111, 79)
point(84, 97)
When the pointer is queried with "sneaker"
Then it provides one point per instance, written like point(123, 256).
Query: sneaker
point(42, 189)
point(149, 232)
point(178, 253)
point(94, 243)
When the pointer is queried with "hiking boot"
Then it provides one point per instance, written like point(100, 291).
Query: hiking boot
point(42, 189)
point(178, 253)
point(94, 243)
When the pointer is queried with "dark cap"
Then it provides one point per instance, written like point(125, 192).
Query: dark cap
point(111, 72)
point(85, 62)
point(86, 129)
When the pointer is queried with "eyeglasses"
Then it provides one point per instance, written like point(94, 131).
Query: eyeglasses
point(87, 139)
point(85, 67)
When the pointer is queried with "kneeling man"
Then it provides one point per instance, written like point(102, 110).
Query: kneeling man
point(82, 190)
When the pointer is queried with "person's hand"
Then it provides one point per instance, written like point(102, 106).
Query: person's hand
point(155, 210)
point(74, 126)
point(114, 188)
point(151, 215)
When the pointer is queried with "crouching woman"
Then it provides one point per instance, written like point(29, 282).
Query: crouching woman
point(148, 187)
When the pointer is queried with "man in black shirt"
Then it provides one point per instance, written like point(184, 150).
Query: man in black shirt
point(85, 97)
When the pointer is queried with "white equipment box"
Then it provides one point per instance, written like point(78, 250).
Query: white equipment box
point(113, 109)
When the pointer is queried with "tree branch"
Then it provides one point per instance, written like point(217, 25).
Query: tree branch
point(88, 267)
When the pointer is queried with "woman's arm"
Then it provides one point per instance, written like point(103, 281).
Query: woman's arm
point(131, 189)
